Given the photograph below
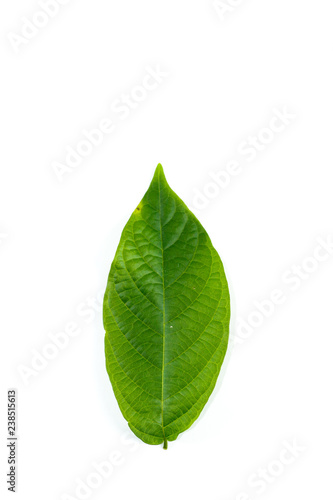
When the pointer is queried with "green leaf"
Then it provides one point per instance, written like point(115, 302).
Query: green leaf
point(166, 316)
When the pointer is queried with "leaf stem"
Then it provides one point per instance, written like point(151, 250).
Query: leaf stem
point(165, 446)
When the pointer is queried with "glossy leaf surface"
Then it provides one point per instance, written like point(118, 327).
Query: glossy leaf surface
point(166, 316)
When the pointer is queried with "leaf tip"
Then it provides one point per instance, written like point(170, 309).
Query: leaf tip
point(159, 173)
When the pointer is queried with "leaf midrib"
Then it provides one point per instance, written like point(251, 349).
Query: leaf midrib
point(165, 446)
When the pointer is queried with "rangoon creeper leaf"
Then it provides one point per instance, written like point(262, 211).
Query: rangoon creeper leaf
point(166, 316)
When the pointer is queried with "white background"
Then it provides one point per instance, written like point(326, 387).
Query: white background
point(226, 75)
